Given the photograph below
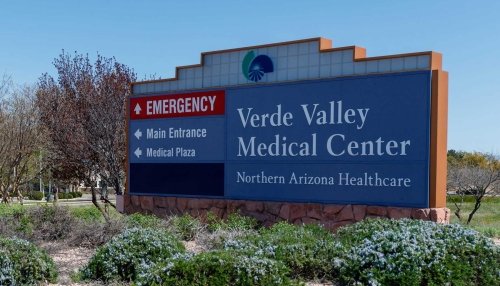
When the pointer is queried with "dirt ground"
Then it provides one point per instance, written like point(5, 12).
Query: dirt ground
point(68, 260)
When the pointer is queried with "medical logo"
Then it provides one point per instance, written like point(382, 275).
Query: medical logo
point(254, 67)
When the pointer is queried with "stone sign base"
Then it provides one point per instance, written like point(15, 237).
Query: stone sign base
point(268, 213)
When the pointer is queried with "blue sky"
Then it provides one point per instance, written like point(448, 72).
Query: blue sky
point(153, 37)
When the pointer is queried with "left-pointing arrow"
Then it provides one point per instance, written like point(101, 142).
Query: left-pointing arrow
point(137, 108)
point(138, 152)
point(138, 134)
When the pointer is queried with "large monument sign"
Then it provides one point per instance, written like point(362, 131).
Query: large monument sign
point(296, 123)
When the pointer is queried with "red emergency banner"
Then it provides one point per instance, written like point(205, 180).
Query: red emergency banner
point(178, 105)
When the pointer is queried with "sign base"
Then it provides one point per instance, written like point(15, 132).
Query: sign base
point(330, 216)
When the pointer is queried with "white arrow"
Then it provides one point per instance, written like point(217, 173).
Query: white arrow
point(138, 134)
point(137, 108)
point(138, 152)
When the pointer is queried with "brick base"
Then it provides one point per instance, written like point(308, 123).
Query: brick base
point(268, 213)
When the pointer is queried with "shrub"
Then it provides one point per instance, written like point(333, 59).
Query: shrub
point(122, 257)
point(15, 222)
point(234, 221)
point(218, 238)
point(30, 264)
point(23, 224)
point(414, 252)
point(51, 222)
point(307, 250)
point(144, 221)
point(66, 196)
point(6, 270)
point(37, 196)
point(185, 226)
point(217, 268)
point(94, 233)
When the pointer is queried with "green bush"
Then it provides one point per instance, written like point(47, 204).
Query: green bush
point(144, 221)
point(414, 252)
point(66, 196)
point(6, 270)
point(30, 264)
point(216, 268)
point(307, 250)
point(234, 221)
point(124, 256)
point(37, 196)
point(185, 226)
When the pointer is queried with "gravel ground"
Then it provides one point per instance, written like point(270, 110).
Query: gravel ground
point(68, 260)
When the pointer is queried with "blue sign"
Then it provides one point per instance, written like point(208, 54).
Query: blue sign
point(177, 140)
point(351, 140)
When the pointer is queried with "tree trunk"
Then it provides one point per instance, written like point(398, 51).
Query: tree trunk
point(20, 197)
point(5, 195)
point(118, 189)
point(96, 203)
point(56, 194)
point(477, 205)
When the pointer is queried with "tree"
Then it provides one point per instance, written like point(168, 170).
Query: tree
point(474, 174)
point(84, 114)
point(20, 140)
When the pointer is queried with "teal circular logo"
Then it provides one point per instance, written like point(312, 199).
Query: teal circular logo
point(254, 67)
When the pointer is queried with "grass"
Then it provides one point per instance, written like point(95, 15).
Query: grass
point(87, 213)
point(6, 210)
point(486, 220)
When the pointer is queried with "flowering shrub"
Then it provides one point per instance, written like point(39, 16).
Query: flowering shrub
point(123, 256)
point(217, 268)
point(6, 270)
point(25, 263)
point(307, 250)
point(414, 252)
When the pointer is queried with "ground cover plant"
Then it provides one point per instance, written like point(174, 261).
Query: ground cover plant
point(6, 270)
point(124, 256)
point(414, 252)
point(236, 251)
point(307, 250)
point(217, 268)
point(23, 263)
